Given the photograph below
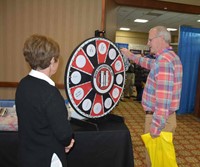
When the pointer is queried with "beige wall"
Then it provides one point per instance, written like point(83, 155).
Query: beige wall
point(131, 37)
point(134, 39)
point(111, 19)
point(69, 22)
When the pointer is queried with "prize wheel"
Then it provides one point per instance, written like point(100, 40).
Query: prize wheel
point(94, 77)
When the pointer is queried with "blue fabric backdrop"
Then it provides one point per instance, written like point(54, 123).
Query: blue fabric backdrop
point(189, 53)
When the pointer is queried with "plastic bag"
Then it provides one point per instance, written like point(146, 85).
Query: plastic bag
point(161, 149)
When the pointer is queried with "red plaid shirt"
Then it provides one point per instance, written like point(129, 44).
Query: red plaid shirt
point(162, 91)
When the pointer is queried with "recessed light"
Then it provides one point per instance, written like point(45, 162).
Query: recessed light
point(198, 20)
point(124, 29)
point(171, 29)
point(141, 20)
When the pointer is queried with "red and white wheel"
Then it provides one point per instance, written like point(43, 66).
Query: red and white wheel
point(94, 77)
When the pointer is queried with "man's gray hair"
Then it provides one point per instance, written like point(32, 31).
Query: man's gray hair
point(162, 31)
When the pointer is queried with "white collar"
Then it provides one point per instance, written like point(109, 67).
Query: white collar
point(42, 76)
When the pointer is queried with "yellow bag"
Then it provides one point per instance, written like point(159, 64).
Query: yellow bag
point(161, 150)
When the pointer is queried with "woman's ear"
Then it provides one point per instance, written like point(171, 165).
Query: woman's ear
point(52, 60)
point(53, 66)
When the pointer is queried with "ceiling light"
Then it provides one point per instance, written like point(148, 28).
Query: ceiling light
point(171, 29)
point(141, 20)
point(198, 20)
point(124, 29)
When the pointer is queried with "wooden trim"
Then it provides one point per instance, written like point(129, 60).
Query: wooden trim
point(60, 86)
point(8, 84)
point(15, 84)
point(161, 5)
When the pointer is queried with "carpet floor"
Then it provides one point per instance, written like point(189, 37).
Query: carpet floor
point(186, 139)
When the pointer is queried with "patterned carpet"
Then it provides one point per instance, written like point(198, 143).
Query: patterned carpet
point(186, 138)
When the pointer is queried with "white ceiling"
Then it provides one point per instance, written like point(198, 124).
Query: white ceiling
point(127, 15)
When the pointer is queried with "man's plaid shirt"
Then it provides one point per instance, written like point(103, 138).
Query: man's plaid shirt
point(162, 91)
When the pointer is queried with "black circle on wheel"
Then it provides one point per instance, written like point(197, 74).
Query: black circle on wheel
point(94, 77)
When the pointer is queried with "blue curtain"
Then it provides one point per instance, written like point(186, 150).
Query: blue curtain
point(189, 53)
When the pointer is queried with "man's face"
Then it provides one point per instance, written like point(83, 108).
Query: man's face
point(154, 41)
